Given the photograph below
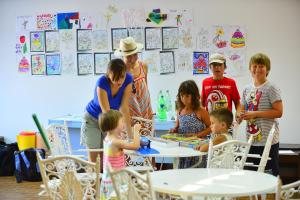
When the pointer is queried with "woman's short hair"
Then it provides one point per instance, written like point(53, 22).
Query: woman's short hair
point(261, 59)
point(188, 87)
point(109, 121)
point(117, 67)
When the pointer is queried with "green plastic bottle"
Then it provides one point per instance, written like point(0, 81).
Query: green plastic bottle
point(162, 107)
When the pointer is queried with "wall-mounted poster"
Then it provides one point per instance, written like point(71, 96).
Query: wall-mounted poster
point(116, 35)
point(152, 38)
point(170, 38)
point(67, 40)
point(52, 41)
point(101, 61)
point(100, 40)
point(167, 62)
point(68, 20)
point(46, 21)
point(85, 63)
point(200, 63)
point(37, 41)
point(53, 66)
point(84, 39)
point(137, 34)
point(38, 66)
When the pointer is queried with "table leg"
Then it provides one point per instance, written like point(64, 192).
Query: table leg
point(175, 163)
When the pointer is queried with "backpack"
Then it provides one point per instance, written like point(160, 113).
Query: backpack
point(27, 167)
point(7, 158)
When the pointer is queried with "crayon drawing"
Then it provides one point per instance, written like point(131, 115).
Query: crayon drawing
point(133, 17)
point(85, 63)
point(68, 20)
point(100, 40)
point(53, 66)
point(38, 66)
point(167, 63)
point(170, 38)
point(46, 21)
point(37, 41)
point(152, 38)
point(84, 39)
point(116, 35)
point(52, 41)
point(200, 63)
point(101, 61)
point(137, 34)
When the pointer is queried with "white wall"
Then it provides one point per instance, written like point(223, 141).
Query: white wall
point(272, 25)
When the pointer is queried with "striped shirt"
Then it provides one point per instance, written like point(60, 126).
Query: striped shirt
point(259, 99)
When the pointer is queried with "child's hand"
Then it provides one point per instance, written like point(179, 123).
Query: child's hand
point(137, 128)
point(239, 117)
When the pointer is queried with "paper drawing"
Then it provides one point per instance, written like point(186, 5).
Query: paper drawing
point(38, 66)
point(167, 63)
point(100, 40)
point(52, 41)
point(170, 38)
point(200, 63)
point(68, 20)
point(133, 17)
point(37, 41)
point(137, 34)
point(184, 61)
point(85, 63)
point(101, 61)
point(153, 38)
point(25, 23)
point(46, 21)
point(84, 39)
point(151, 59)
point(53, 66)
point(116, 35)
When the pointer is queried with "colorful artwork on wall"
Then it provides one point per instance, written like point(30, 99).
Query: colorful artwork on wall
point(53, 66)
point(38, 66)
point(68, 20)
point(37, 41)
point(200, 63)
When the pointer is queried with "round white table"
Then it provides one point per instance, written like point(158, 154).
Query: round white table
point(212, 182)
point(174, 151)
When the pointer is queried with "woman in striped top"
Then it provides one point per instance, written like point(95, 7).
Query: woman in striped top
point(113, 125)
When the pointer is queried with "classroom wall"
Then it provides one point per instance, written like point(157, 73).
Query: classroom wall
point(272, 26)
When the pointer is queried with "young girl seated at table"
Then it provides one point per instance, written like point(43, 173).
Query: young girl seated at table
point(112, 123)
point(192, 119)
point(221, 120)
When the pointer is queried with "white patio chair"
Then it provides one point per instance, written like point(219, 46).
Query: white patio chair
point(147, 128)
point(230, 154)
point(130, 185)
point(289, 191)
point(265, 156)
point(53, 169)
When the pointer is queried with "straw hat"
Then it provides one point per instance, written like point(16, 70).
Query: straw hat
point(128, 47)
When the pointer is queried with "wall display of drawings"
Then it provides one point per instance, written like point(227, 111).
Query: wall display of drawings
point(85, 64)
point(167, 62)
point(169, 35)
point(38, 66)
point(101, 61)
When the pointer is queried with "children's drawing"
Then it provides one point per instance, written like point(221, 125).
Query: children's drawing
point(68, 63)
point(67, 40)
point(113, 56)
point(84, 39)
point(202, 38)
point(37, 41)
point(133, 17)
point(200, 63)
point(52, 41)
point(151, 59)
point(85, 63)
point(25, 23)
point(137, 34)
point(156, 17)
point(152, 38)
point(100, 40)
point(101, 61)
point(220, 38)
point(68, 20)
point(38, 66)
point(170, 38)
point(237, 39)
point(53, 66)
point(236, 63)
point(167, 63)
point(86, 21)
point(23, 64)
point(109, 13)
point(184, 61)
point(116, 35)
point(22, 44)
point(46, 21)
point(179, 17)
point(185, 38)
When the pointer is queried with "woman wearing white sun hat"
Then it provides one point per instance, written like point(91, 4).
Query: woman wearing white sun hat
point(139, 102)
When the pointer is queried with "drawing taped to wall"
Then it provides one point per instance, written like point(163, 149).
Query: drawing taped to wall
point(46, 21)
point(133, 17)
point(137, 34)
point(151, 59)
point(184, 61)
point(53, 66)
point(37, 41)
point(25, 23)
point(100, 40)
point(153, 38)
point(85, 63)
point(67, 40)
point(167, 62)
point(116, 35)
point(170, 38)
point(52, 41)
point(84, 39)
point(38, 66)
point(68, 20)
point(24, 65)
point(101, 61)
point(200, 63)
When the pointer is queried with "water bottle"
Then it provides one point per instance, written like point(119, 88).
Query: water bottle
point(168, 101)
point(162, 107)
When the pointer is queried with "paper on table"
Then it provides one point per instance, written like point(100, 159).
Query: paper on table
point(286, 152)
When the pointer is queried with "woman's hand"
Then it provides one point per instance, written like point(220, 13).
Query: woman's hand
point(249, 115)
point(137, 128)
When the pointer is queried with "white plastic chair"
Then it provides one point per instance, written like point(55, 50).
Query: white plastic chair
point(53, 169)
point(265, 156)
point(147, 125)
point(129, 184)
point(289, 191)
point(230, 154)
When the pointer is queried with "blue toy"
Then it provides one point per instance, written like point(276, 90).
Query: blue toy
point(145, 146)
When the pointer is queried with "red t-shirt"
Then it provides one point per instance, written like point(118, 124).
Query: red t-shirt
point(219, 93)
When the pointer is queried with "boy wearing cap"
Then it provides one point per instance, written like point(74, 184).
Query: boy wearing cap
point(219, 91)
point(139, 102)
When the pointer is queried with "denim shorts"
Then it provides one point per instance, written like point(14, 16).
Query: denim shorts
point(91, 136)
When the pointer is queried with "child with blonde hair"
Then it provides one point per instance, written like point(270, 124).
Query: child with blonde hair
point(112, 123)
